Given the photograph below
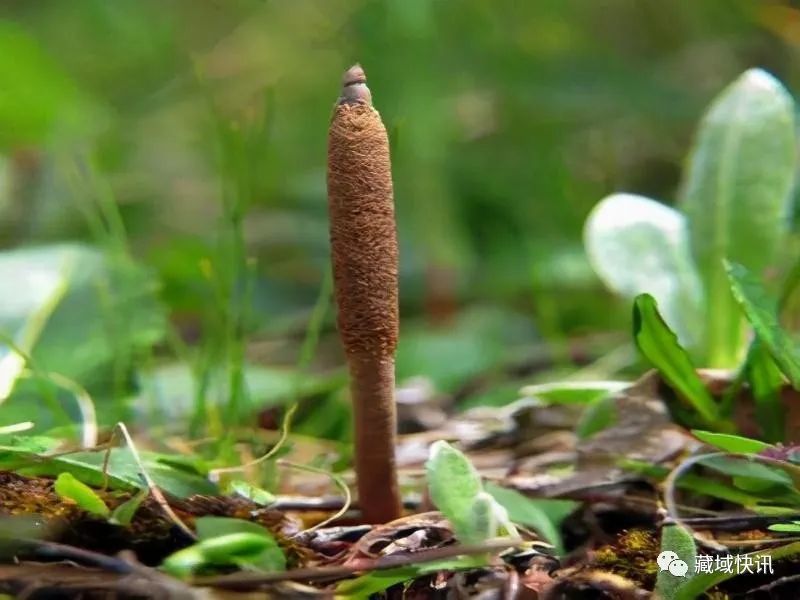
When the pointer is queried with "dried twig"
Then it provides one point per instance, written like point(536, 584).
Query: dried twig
point(336, 479)
point(151, 485)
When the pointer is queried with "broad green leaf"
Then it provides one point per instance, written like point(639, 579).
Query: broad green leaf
point(636, 246)
point(731, 443)
point(190, 463)
point(454, 484)
point(29, 458)
point(110, 306)
point(599, 414)
point(211, 527)
point(760, 310)
point(660, 347)
point(736, 196)
point(67, 486)
point(32, 444)
point(124, 513)
point(573, 392)
point(680, 543)
point(253, 550)
point(540, 514)
point(270, 558)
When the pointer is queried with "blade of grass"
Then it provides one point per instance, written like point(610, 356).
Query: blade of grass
point(122, 430)
point(761, 311)
point(765, 381)
point(306, 354)
point(659, 345)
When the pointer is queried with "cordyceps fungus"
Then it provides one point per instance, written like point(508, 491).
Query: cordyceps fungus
point(364, 249)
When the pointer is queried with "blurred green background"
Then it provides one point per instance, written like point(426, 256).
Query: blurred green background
point(178, 150)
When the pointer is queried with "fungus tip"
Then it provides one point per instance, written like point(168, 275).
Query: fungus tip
point(354, 86)
point(353, 75)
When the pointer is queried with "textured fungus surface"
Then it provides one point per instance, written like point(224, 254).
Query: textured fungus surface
point(363, 237)
point(364, 255)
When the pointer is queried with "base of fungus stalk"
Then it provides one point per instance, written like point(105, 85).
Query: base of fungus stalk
point(375, 432)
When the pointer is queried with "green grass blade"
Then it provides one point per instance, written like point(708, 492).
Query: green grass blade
point(766, 381)
point(760, 310)
point(659, 345)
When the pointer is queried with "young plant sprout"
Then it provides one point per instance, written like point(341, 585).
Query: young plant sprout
point(364, 254)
